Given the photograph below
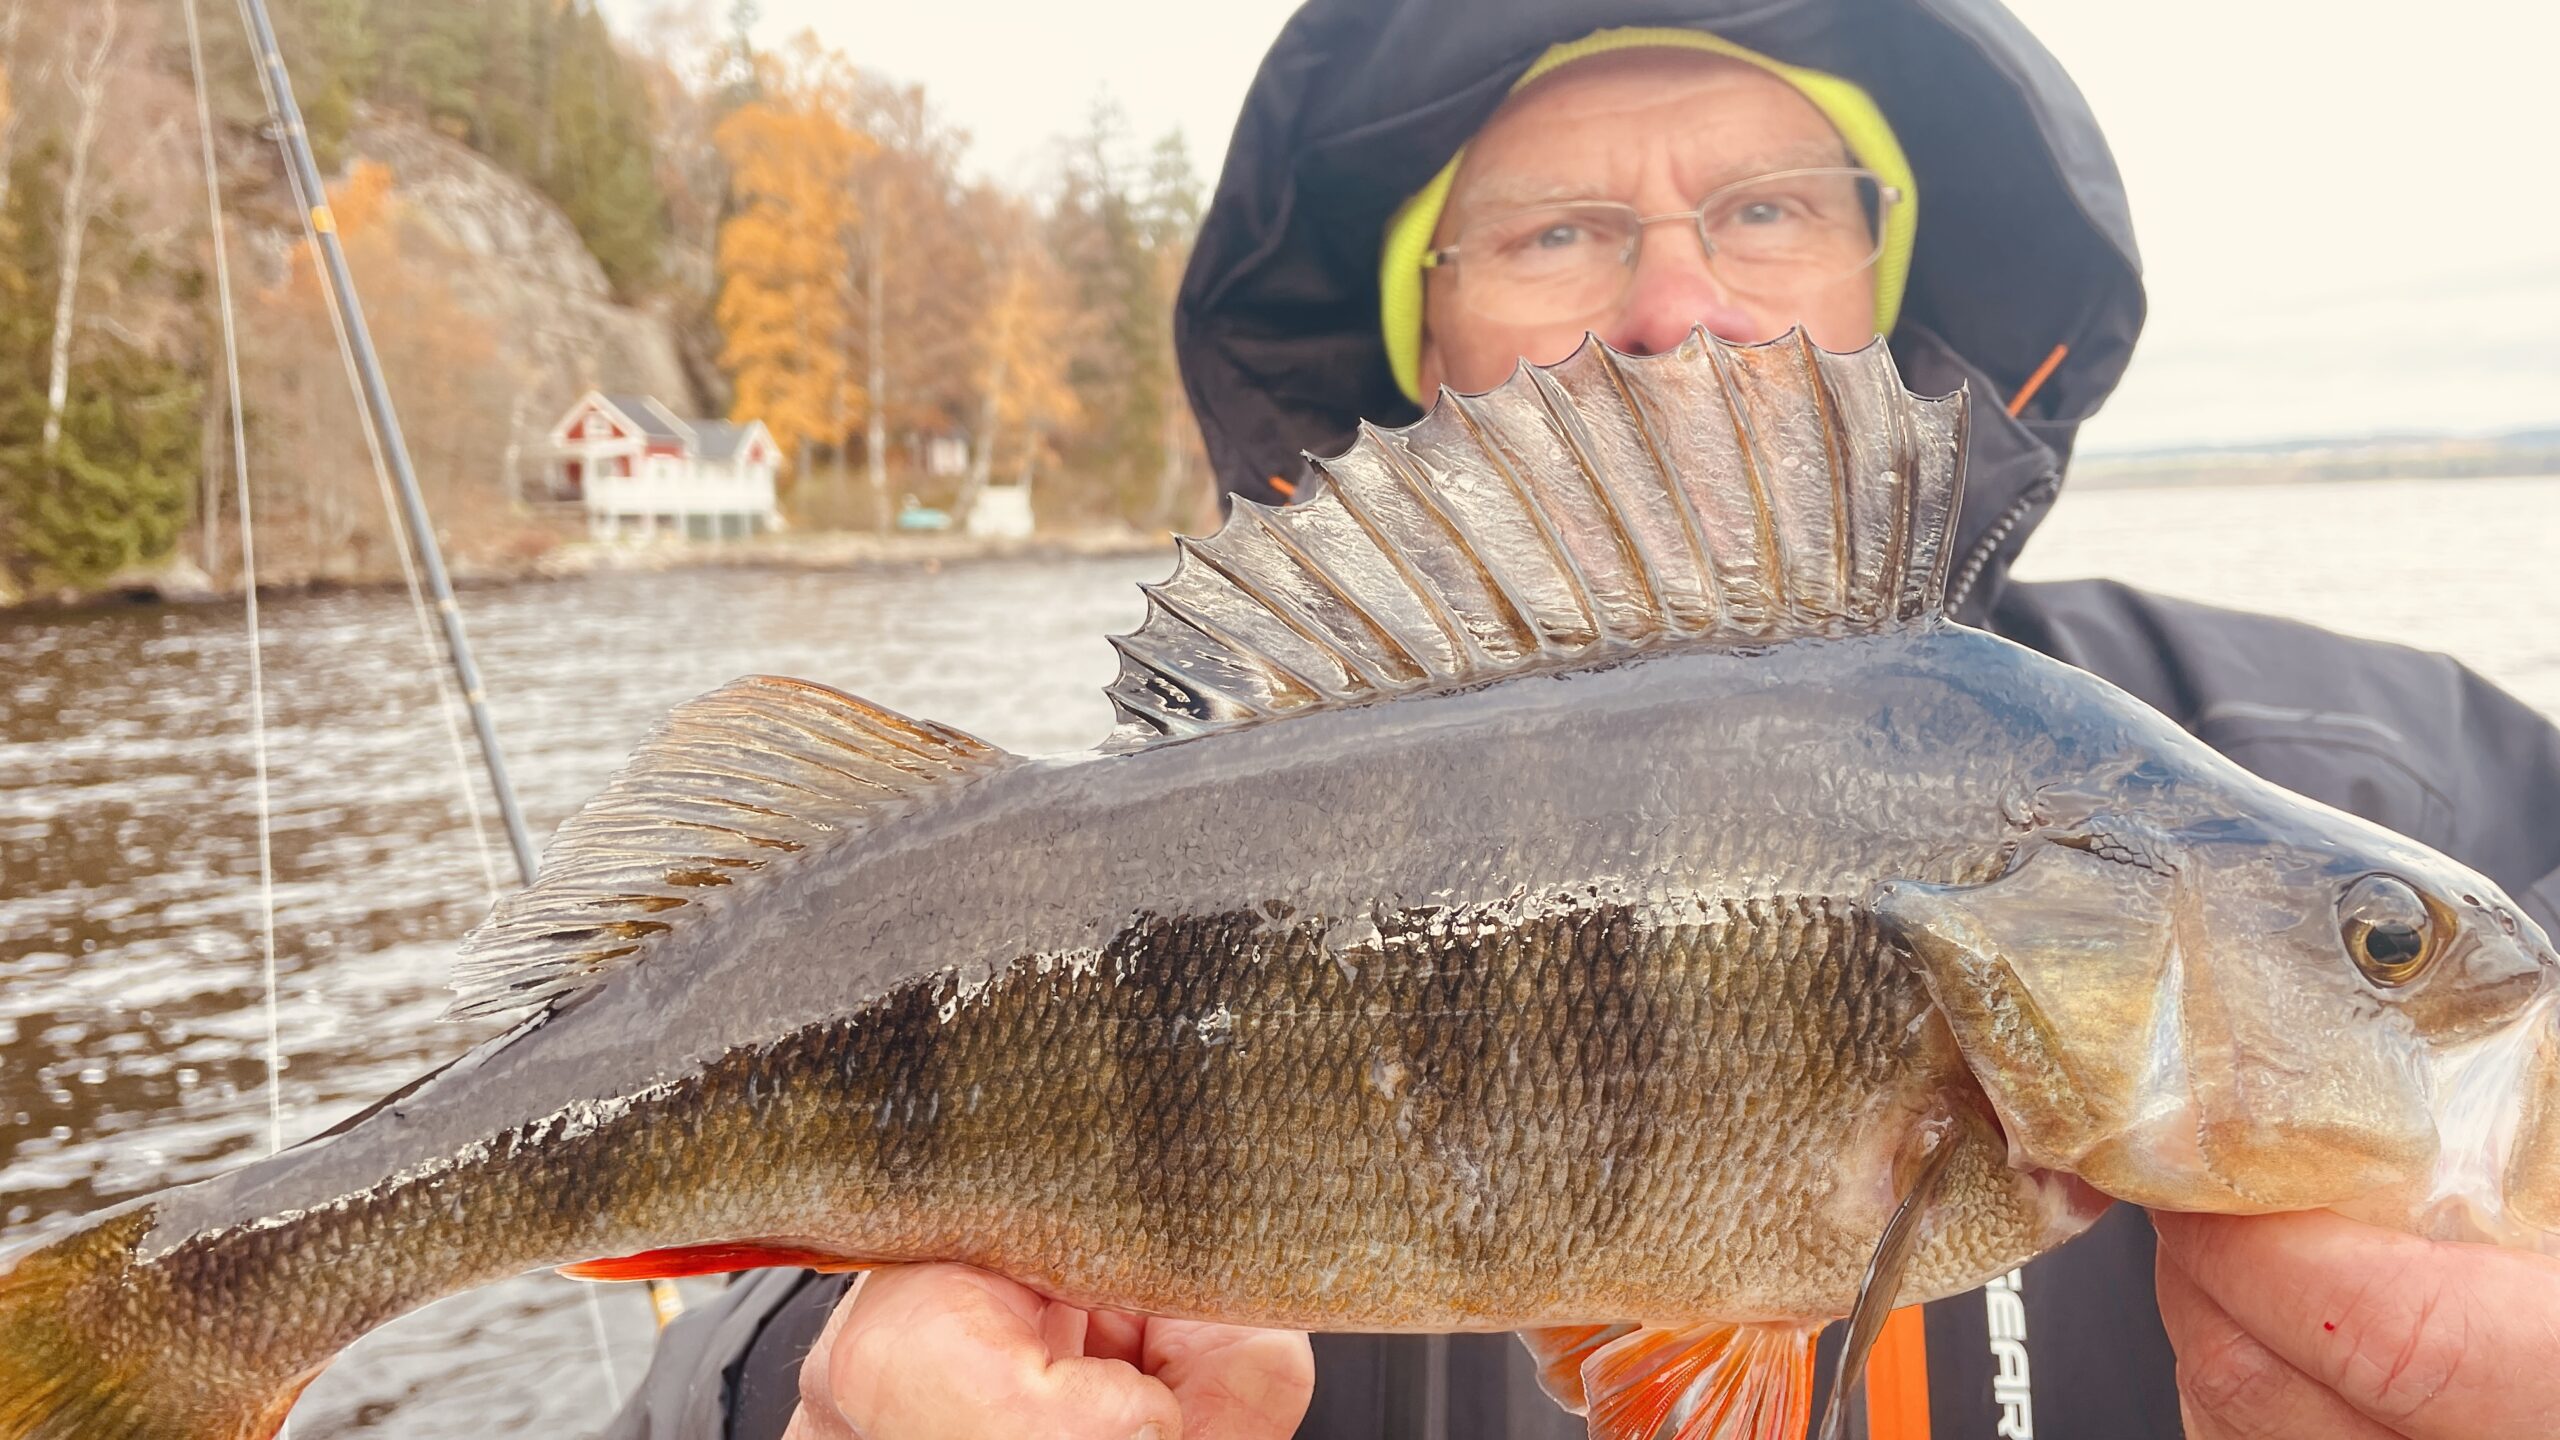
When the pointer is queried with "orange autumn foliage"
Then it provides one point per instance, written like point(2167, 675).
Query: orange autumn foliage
point(1029, 341)
point(787, 304)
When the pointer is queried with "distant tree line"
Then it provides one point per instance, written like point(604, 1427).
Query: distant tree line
point(810, 228)
point(866, 298)
point(540, 86)
point(98, 404)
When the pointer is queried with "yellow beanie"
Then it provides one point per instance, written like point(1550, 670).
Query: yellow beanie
point(1849, 109)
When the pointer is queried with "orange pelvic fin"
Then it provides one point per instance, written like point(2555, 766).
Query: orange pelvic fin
point(716, 1259)
point(1728, 1382)
point(1560, 1351)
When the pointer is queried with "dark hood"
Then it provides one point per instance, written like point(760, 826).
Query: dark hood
point(2024, 240)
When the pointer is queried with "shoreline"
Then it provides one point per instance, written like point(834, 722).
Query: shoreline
point(2101, 473)
point(179, 582)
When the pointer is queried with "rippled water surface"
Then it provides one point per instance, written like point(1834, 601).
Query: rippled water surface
point(131, 1033)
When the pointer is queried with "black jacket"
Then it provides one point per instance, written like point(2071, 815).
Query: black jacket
point(2024, 244)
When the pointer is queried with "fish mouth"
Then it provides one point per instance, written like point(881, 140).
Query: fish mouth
point(2496, 1175)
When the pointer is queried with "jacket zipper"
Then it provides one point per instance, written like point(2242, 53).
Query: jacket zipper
point(1989, 545)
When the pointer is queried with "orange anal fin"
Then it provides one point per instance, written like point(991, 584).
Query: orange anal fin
point(1727, 1382)
point(718, 1259)
point(1560, 1351)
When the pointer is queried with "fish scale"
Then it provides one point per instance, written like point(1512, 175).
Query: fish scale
point(1551, 880)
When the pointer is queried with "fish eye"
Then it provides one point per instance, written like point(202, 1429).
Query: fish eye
point(2388, 928)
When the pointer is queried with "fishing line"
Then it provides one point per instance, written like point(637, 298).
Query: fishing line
point(305, 204)
point(249, 597)
point(248, 581)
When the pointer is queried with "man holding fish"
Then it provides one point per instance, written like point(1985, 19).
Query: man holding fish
point(1568, 873)
point(1923, 170)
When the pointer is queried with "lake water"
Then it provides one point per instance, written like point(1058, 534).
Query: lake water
point(131, 1029)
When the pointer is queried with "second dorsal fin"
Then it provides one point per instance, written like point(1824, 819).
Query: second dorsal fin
point(748, 779)
point(1715, 494)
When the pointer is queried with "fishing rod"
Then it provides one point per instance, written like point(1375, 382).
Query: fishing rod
point(295, 141)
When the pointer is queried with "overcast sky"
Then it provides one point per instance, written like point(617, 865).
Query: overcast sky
point(2349, 215)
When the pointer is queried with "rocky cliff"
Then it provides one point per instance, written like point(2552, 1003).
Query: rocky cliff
point(519, 265)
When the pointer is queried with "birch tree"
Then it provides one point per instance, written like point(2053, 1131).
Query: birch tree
point(921, 282)
point(88, 86)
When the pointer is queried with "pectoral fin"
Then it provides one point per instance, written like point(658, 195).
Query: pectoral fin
point(1721, 1382)
point(1924, 1160)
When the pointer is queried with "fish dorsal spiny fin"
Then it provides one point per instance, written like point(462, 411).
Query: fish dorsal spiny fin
point(734, 785)
point(1715, 495)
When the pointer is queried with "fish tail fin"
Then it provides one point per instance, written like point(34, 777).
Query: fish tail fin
point(88, 1352)
point(1715, 1382)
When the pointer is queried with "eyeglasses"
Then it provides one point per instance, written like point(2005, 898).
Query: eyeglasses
point(1768, 237)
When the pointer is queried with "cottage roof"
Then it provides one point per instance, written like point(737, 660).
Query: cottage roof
point(719, 439)
point(657, 420)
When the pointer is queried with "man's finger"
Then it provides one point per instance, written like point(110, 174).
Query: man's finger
point(2435, 1341)
point(893, 1342)
point(811, 1423)
point(1233, 1383)
point(817, 1418)
point(1064, 1331)
point(2230, 1387)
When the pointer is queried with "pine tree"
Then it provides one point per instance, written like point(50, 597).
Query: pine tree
point(119, 488)
point(603, 166)
point(1121, 234)
point(508, 105)
point(437, 58)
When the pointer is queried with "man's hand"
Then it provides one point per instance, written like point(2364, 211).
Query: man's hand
point(945, 1352)
point(2313, 1327)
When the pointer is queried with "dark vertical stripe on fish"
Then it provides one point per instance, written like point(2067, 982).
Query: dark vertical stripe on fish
point(1617, 1023)
point(901, 1081)
point(1458, 1098)
point(1172, 1048)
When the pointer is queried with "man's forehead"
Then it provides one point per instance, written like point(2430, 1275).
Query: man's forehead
point(1509, 182)
point(1592, 129)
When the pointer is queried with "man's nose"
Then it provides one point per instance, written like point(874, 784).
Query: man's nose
point(1673, 292)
